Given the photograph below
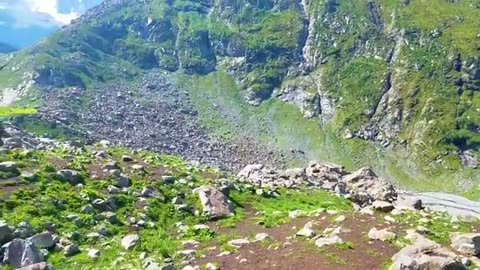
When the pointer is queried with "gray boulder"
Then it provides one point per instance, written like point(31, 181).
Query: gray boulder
point(425, 254)
point(215, 204)
point(24, 230)
point(382, 206)
point(130, 241)
point(6, 234)
point(71, 250)
point(21, 253)
point(43, 240)
point(72, 176)
point(8, 166)
point(101, 205)
point(382, 235)
point(365, 187)
point(468, 243)
point(123, 181)
point(113, 165)
point(325, 171)
point(328, 241)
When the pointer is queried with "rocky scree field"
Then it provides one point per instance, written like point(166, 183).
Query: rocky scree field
point(68, 205)
point(390, 84)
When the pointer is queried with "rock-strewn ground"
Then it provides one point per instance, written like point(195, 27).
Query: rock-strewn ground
point(149, 114)
point(73, 206)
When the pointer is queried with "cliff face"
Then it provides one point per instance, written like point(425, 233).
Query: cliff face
point(399, 73)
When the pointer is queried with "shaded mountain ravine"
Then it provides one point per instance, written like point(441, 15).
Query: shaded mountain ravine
point(389, 84)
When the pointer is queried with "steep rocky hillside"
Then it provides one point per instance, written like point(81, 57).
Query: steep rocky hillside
point(388, 83)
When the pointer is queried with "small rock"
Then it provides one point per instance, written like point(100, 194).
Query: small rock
point(389, 219)
point(186, 254)
point(130, 241)
point(382, 206)
point(123, 181)
point(126, 158)
point(190, 243)
point(112, 165)
point(137, 167)
point(113, 189)
point(151, 192)
point(468, 243)
point(24, 230)
point(327, 241)
point(297, 214)
point(211, 266)
point(307, 231)
point(43, 240)
point(340, 218)
point(261, 236)
point(367, 211)
point(383, 235)
point(8, 166)
point(238, 242)
point(332, 212)
point(72, 176)
point(71, 250)
point(200, 227)
point(6, 233)
point(87, 208)
point(93, 253)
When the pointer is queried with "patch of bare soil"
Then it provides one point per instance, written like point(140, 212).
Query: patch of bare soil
point(284, 251)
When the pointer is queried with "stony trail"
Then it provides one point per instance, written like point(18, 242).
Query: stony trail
point(452, 204)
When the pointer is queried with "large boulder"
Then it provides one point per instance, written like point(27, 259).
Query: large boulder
point(365, 187)
point(71, 176)
point(425, 254)
point(215, 204)
point(21, 253)
point(6, 233)
point(382, 235)
point(8, 166)
point(467, 243)
point(123, 181)
point(325, 171)
point(23, 230)
point(130, 241)
point(43, 240)
point(253, 173)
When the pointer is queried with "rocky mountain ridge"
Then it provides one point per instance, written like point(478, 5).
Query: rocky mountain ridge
point(365, 70)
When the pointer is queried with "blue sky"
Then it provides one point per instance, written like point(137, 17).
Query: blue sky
point(24, 22)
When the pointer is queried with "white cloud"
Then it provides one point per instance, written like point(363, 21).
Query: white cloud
point(36, 13)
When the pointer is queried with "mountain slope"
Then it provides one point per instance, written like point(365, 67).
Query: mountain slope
point(391, 77)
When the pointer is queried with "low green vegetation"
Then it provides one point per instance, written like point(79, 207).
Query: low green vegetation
point(6, 111)
point(438, 226)
point(275, 210)
point(47, 199)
